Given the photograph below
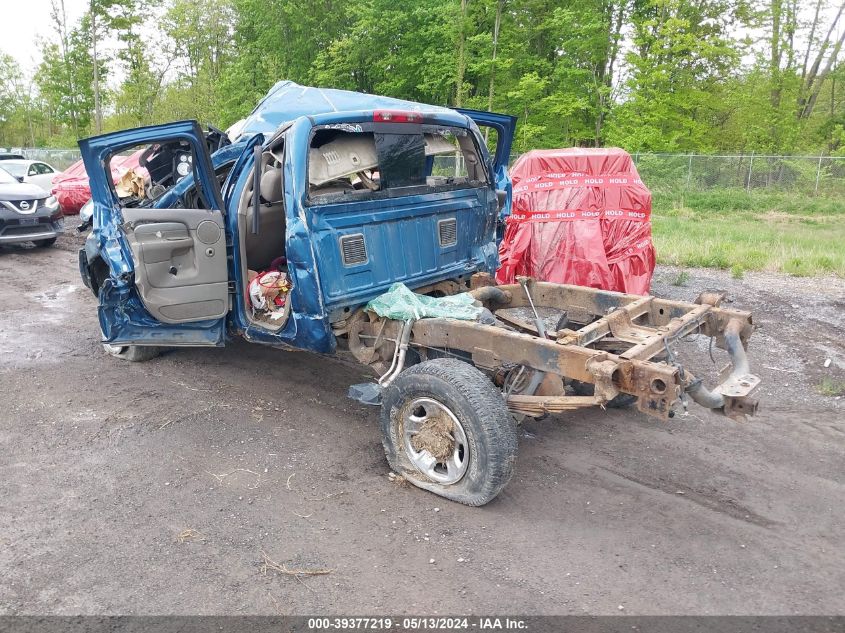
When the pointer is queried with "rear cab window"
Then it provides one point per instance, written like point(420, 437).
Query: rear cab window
point(371, 161)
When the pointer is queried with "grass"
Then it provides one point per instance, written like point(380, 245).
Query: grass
point(744, 231)
point(681, 279)
point(831, 387)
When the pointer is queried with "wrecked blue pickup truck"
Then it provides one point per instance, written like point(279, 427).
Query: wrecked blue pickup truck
point(307, 228)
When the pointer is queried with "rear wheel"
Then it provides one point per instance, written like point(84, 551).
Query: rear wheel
point(446, 429)
point(132, 353)
point(47, 242)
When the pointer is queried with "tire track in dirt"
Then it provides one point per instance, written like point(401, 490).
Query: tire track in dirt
point(713, 501)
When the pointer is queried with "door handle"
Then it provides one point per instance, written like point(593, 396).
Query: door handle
point(162, 249)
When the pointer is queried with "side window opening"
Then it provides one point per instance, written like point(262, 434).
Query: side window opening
point(380, 163)
point(192, 198)
point(491, 139)
point(143, 174)
point(454, 159)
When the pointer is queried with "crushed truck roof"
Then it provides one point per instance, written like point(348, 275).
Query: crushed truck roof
point(287, 101)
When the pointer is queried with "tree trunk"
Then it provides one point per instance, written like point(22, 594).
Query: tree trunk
point(459, 80)
point(605, 84)
point(814, 79)
point(819, 80)
point(499, 5)
point(98, 112)
point(29, 116)
point(60, 17)
point(775, 54)
point(813, 27)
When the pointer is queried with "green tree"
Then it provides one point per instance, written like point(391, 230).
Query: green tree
point(144, 71)
point(64, 77)
point(274, 40)
point(669, 75)
point(19, 106)
point(397, 50)
point(199, 33)
point(682, 56)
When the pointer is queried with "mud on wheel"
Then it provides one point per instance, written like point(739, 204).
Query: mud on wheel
point(446, 429)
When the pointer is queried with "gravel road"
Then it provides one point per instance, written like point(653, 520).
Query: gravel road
point(175, 486)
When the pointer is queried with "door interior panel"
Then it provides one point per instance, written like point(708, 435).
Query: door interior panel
point(159, 241)
point(180, 262)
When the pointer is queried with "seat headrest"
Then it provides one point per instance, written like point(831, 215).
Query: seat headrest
point(271, 185)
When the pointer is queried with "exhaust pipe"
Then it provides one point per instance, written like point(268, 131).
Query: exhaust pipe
point(715, 398)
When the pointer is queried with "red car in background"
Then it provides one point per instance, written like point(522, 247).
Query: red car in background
point(72, 190)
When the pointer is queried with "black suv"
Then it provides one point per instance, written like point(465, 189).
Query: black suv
point(27, 213)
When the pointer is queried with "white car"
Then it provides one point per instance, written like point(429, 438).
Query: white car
point(33, 172)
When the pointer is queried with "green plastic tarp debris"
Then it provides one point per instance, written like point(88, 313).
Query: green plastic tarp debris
point(402, 304)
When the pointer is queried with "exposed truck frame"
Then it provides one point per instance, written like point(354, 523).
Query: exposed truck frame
point(623, 347)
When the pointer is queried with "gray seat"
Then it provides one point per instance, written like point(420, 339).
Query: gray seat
point(271, 185)
point(269, 244)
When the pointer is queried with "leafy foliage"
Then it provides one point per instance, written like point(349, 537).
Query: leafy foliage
point(648, 75)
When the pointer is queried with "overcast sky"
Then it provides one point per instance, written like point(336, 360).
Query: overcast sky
point(24, 22)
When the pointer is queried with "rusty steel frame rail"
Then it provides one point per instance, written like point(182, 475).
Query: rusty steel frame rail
point(645, 325)
point(492, 347)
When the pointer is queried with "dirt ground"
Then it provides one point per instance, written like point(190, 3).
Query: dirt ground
point(160, 488)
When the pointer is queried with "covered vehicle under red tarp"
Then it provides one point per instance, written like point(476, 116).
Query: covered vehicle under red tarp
point(71, 188)
point(579, 216)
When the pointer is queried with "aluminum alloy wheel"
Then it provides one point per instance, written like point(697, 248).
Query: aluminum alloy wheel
point(114, 350)
point(450, 470)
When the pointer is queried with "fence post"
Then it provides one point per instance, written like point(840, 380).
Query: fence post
point(750, 166)
point(689, 170)
point(818, 174)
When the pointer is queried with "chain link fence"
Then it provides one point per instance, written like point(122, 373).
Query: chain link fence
point(59, 158)
point(810, 175)
point(816, 175)
point(807, 175)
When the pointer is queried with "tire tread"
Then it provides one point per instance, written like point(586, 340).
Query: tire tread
point(491, 414)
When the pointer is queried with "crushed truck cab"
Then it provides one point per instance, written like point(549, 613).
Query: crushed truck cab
point(323, 201)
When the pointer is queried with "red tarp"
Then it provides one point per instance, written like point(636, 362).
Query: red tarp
point(579, 216)
point(71, 187)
